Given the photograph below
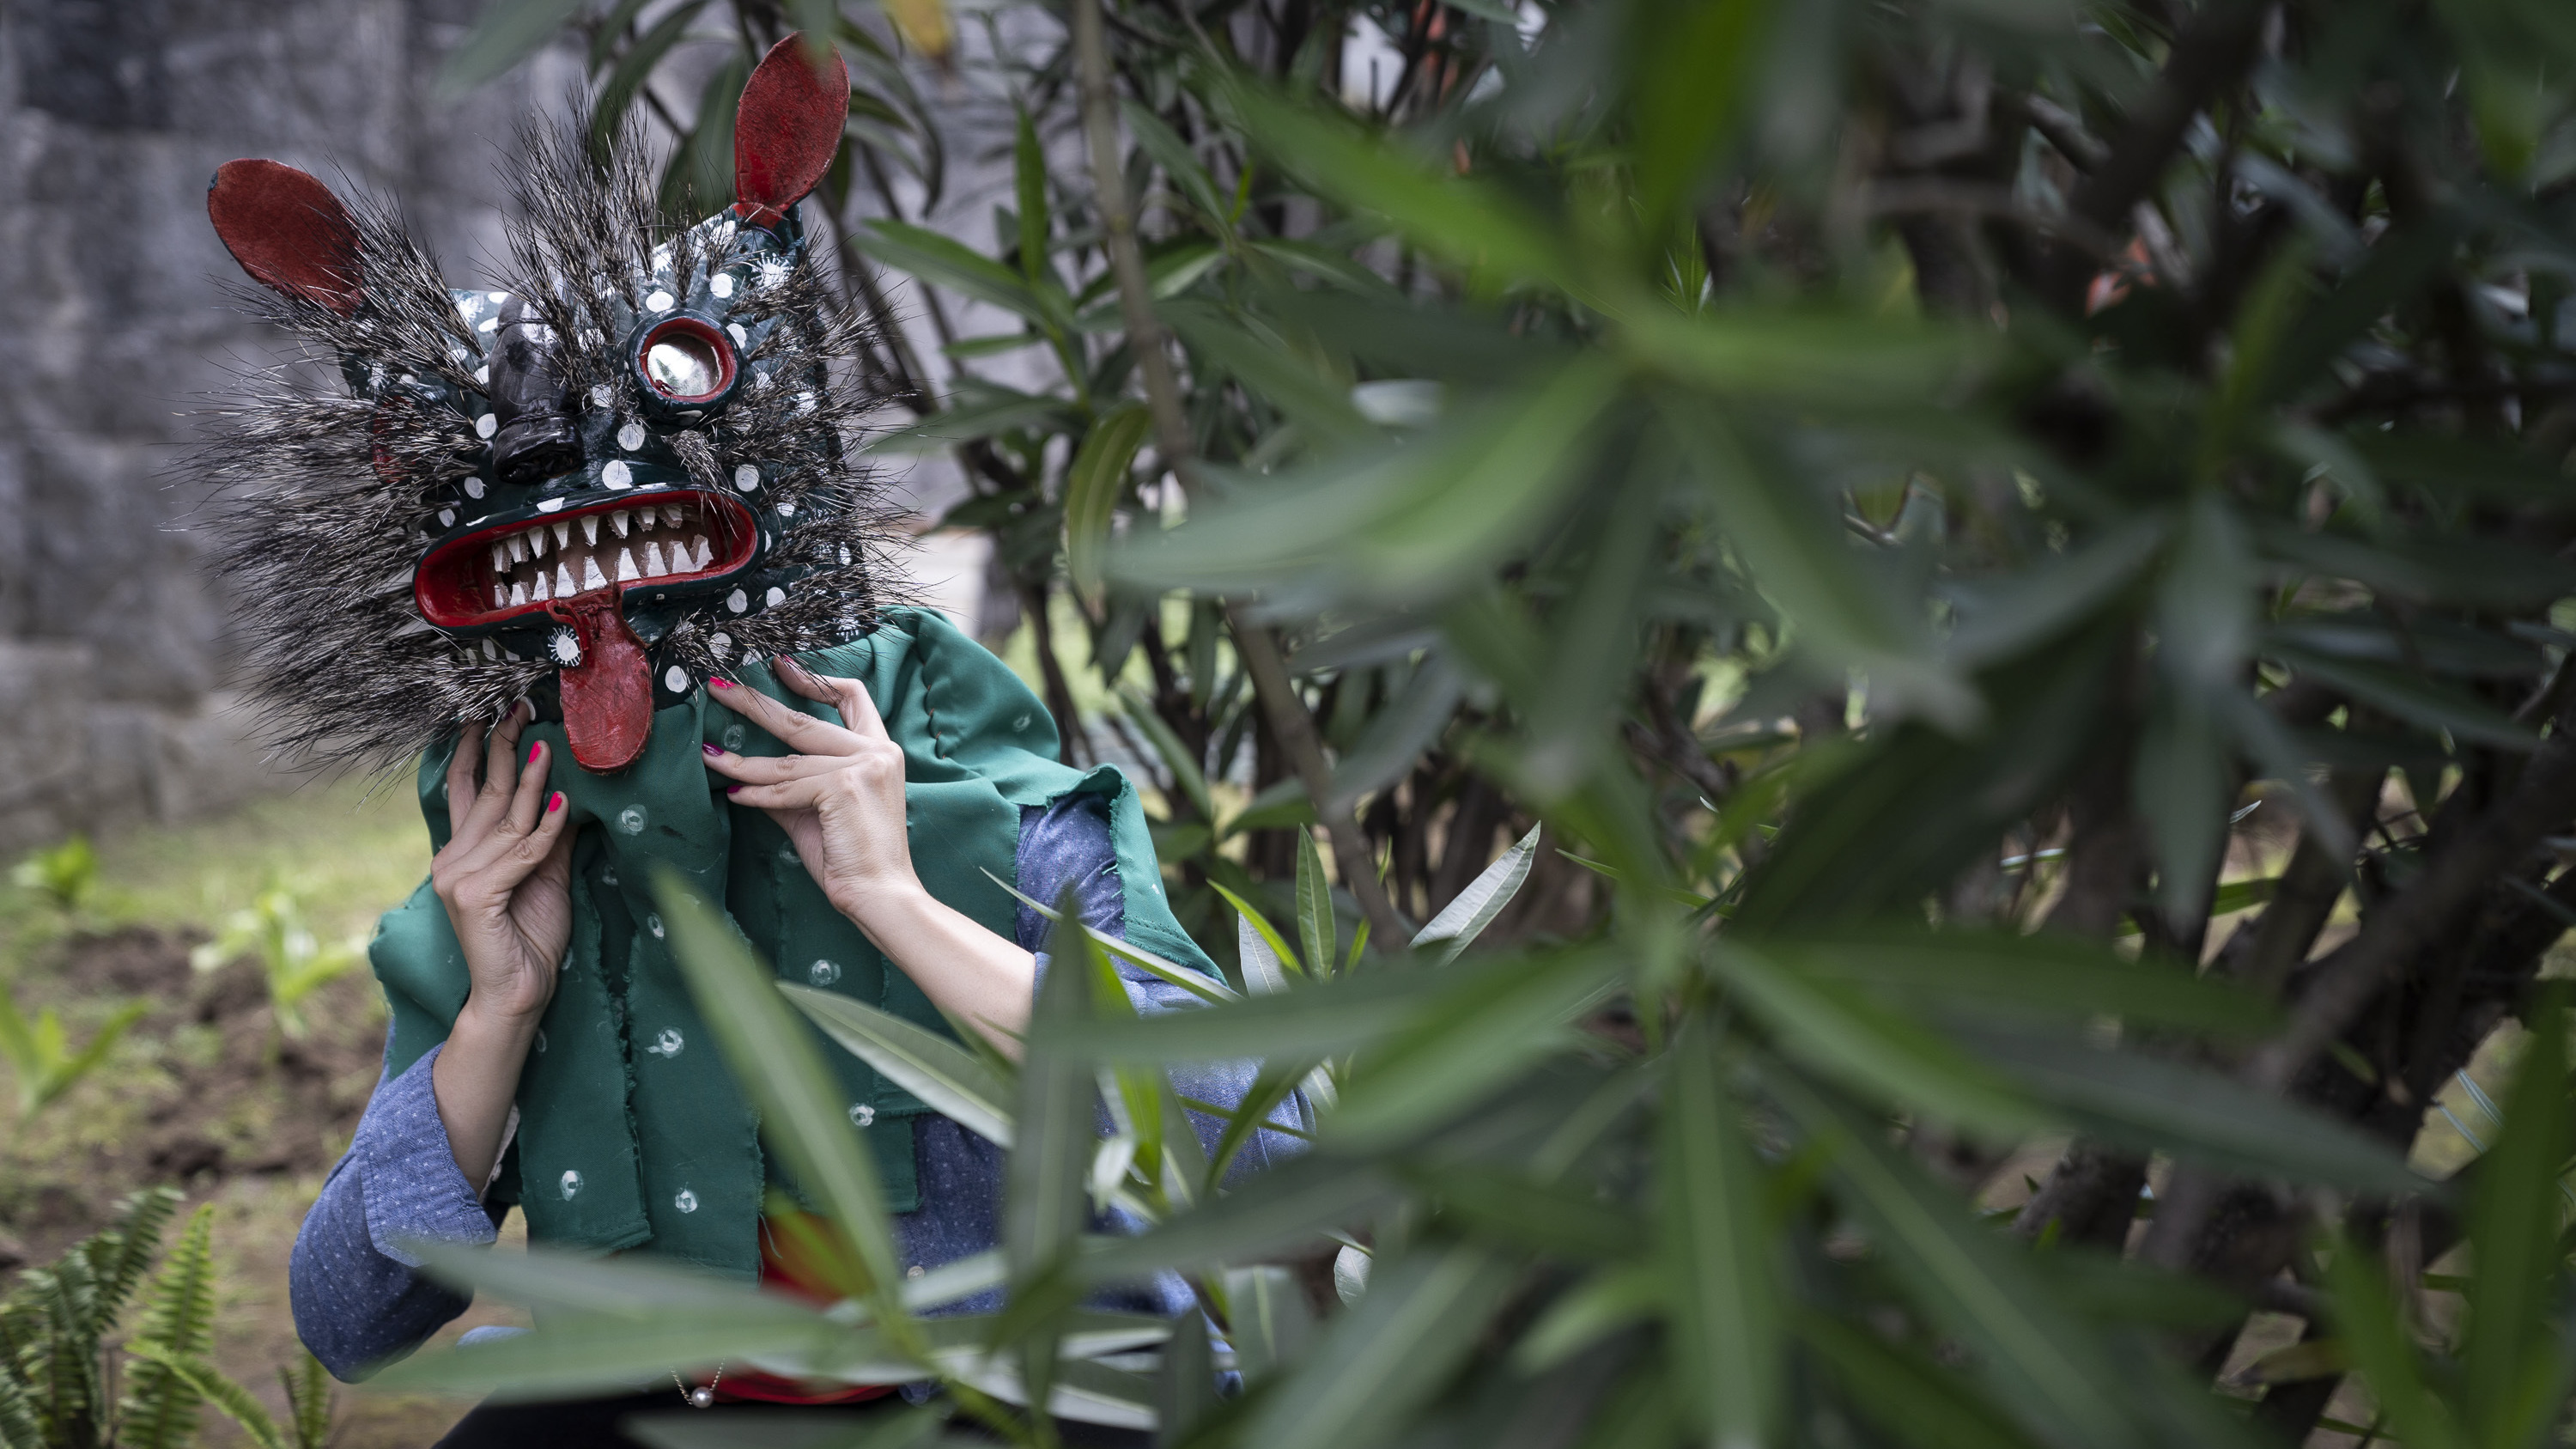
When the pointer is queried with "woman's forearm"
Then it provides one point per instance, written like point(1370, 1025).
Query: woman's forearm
point(966, 971)
point(476, 1078)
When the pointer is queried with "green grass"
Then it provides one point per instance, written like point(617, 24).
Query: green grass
point(350, 849)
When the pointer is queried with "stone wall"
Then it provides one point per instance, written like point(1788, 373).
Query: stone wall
point(113, 114)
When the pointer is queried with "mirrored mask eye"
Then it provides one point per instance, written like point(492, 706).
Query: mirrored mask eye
point(684, 368)
point(687, 370)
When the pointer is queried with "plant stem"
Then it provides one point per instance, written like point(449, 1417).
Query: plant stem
point(1254, 643)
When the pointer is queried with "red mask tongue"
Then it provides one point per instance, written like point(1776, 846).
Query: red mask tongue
point(608, 696)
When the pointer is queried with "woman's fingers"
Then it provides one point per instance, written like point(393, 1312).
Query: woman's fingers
point(801, 793)
point(532, 788)
point(500, 772)
point(798, 731)
point(511, 856)
point(771, 769)
point(460, 775)
point(858, 711)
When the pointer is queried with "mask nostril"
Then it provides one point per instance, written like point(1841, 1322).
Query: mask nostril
point(537, 438)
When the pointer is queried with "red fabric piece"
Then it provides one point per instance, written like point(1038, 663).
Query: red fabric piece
point(608, 696)
point(787, 130)
point(287, 230)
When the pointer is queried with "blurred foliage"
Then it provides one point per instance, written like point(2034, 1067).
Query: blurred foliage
point(58, 1357)
point(2020, 552)
point(293, 961)
point(64, 875)
point(40, 1052)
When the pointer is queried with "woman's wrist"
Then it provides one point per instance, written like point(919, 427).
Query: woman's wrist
point(882, 908)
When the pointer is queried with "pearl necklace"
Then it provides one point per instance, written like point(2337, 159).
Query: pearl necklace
point(703, 1396)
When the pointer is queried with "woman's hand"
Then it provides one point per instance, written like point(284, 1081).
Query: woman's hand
point(505, 876)
point(840, 799)
point(506, 880)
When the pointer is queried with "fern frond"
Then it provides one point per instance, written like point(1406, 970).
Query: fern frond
point(202, 1381)
point(122, 1254)
point(74, 1398)
point(160, 1407)
point(20, 1428)
point(308, 1396)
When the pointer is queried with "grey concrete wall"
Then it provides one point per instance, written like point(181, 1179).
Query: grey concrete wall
point(114, 653)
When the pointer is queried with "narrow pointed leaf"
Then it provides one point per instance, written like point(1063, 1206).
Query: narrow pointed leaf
point(1462, 920)
point(952, 1080)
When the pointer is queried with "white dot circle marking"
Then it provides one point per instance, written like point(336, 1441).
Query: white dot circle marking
point(720, 643)
point(498, 297)
point(747, 478)
point(631, 820)
point(486, 425)
point(616, 474)
point(775, 597)
point(667, 1043)
point(686, 1202)
point(861, 1114)
point(721, 284)
point(488, 324)
point(654, 925)
point(823, 973)
point(676, 680)
point(602, 395)
point(571, 1183)
point(631, 436)
point(447, 518)
point(483, 376)
point(473, 487)
point(740, 337)
point(659, 301)
point(736, 601)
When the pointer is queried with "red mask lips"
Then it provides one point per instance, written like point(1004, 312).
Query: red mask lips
point(577, 567)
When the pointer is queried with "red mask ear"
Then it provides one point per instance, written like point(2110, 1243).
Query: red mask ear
point(287, 230)
point(787, 130)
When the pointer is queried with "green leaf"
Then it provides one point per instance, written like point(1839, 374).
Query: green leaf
point(2057, 1378)
point(1185, 1382)
point(935, 258)
point(1268, 365)
point(1387, 1356)
point(1029, 185)
point(2373, 1330)
point(617, 94)
point(1092, 488)
point(1043, 1205)
point(204, 1382)
point(1469, 1040)
point(2408, 695)
point(1177, 160)
point(1317, 931)
point(1258, 974)
point(773, 1054)
point(1798, 553)
point(507, 32)
point(1510, 1208)
point(1197, 983)
point(1466, 219)
point(1714, 1240)
point(576, 1355)
point(1290, 1206)
point(1697, 62)
point(1320, 1019)
point(1267, 1310)
point(2194, 1112)
point(1399, 525)
point(1910, 1398)
point(989, 412)
point(1464, 919)
point(1176, 757)
point(1871, 1049)
point(2045, 975)
point(953, 1081)
point(2514, 1363)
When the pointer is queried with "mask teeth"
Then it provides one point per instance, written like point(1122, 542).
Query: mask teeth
point(551, 560)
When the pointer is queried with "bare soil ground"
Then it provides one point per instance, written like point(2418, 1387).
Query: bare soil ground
point(205, 1093)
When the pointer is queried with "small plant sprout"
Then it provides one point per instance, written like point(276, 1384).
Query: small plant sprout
point(65, 875)
point(295, 963)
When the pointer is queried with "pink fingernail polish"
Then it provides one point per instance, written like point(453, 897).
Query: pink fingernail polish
point(554, 802)
point(720, 683)
point(533, 749)
point(710, 749)
point(733, 789)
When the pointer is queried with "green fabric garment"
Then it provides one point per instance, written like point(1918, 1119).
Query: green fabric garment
point(631, 1131)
